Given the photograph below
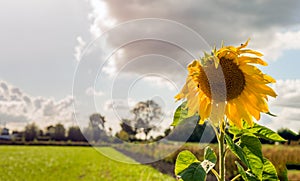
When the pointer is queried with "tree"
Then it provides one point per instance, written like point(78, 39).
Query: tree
point(50, 132)
point(128, 132)
point(96, 128)
point(287, 134)
point(31, 132)
point(74, 134)
point(123, 135)
point(97, 120)
point(60, 132)
point(147, 115)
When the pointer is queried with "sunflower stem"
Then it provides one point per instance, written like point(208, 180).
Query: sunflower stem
point(236, 177)
point(222, 151)
point(216, 174)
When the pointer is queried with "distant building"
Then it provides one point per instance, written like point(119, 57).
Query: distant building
point(4, 134)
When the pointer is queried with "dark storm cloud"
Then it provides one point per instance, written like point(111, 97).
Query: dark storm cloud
point(215, 20)
point(231, 21)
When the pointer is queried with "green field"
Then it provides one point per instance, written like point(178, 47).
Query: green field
point(69, 163)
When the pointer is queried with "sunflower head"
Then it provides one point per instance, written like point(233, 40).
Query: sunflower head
point(228, 77)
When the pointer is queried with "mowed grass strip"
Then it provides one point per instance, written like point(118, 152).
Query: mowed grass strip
point(70, 163)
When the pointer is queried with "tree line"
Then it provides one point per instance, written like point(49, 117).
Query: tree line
point(147, 117)
point(56, 132)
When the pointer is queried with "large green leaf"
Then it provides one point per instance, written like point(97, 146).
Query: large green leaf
point(265, 133)
point(194, 172)
point(252, 148)
point(184, 159)
point(210, 159)
point(269, 171)
point(188, 167)
point(180, 114)
point(258, 130)
point(236, 150)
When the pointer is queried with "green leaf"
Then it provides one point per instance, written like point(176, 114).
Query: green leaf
point(236, 150)
point(253, 144)
point(184, 159)
point(210, 159)
point(210, 155)
point(258, 130)
point(180, 114)
point(188, 167)
point(284, 174)
point(247, 176)
point(234, 130)
point(241, 171)
point(265, 133)
point(269, 113)
point(194, 172)
point(269, 171)
point(252, 148)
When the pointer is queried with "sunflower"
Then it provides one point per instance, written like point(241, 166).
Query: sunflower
point(241, 88)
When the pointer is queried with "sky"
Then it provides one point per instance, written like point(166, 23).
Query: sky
point(63, 60)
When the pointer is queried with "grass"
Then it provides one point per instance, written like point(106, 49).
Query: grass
point(70, 163)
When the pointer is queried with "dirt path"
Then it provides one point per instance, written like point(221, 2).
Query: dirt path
point(162, 166)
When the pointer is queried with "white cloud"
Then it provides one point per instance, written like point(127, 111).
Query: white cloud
point(288, 94)
point(19, 108)
point(121, 104)
point(92, 92)
point(79, 48)
point(278, 42)
point(161, 82)
point(100, 18)
point(286, 105)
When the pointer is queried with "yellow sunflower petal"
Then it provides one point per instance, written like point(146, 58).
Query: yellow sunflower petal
point(249, 51)
point(244, 114)
point(246, 59)
point(244, 44)
point(233, 115)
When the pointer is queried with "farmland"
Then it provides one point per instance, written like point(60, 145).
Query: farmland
point(69, 163)
point(279, 155)
point(86, 163)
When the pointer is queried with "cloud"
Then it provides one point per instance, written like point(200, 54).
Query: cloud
point(120, 104)
point(271, 32)
point(234, 22)
point(286, 105)
point(79, 48)
point(288, 93)
point(92, 92)
point(280, 41)
point(19, 108)
point(161, 82)
point(100, 17)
